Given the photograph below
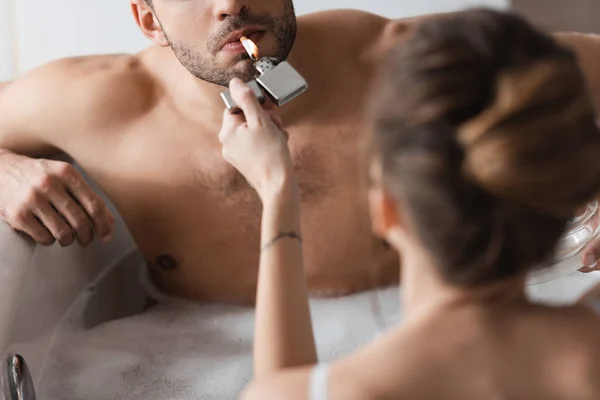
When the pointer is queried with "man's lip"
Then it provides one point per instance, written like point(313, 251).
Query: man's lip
point(237, 35)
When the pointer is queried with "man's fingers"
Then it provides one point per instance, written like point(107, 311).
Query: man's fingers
point(50, 218)
point(92, 204)
point(589, 257)
point(74, 214)
point(32, 227)
point(590, 266)
point(247, 101)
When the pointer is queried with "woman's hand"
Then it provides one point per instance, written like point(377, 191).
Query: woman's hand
point(256, 144)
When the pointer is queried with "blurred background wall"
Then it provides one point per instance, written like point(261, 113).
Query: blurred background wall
point(33, 32)
point(562, 15)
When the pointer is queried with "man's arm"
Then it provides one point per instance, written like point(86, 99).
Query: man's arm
point(47, 110)
point(587, 48)
point(31, 109)
point(42, 114)
point(389, 33)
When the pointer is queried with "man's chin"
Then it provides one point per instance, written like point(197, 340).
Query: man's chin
point(246, 74)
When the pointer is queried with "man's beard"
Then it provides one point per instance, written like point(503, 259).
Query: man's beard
point(284, 30)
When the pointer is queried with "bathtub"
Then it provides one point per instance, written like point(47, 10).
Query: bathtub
point(38, 286)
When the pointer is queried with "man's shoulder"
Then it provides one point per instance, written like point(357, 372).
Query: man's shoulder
point(578, 38)
point(346, 31)
point(586, 45)
point(347, 19)
point(359, 32)
point(107, 88)
point(587, 48)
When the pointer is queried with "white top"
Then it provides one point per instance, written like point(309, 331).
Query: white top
point(319, 383)
point(319, 377)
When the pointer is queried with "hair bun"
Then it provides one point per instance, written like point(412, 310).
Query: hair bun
point(510, 150)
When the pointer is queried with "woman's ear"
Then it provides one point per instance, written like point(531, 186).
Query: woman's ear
point(384, 212)
point(384, 208)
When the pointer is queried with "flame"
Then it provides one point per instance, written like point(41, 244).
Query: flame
point(250, 47)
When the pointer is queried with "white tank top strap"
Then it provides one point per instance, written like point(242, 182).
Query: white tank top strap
point(319, 383)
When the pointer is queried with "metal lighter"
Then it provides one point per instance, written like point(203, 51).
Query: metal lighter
point(279, 80)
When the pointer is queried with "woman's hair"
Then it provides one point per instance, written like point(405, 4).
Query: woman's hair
point(486, 137)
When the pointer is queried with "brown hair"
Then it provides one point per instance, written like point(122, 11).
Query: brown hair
point(486, 136)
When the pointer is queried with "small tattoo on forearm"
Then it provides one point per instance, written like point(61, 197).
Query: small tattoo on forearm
point(283, 235)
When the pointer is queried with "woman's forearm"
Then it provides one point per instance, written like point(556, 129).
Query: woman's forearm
point(283, 333)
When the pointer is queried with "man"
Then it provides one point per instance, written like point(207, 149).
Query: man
point(145, 127)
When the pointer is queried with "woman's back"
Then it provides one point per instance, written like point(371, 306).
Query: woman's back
point(484, 147)
point(521, 351)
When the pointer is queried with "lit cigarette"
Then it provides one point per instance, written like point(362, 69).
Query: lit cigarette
point(250, 47)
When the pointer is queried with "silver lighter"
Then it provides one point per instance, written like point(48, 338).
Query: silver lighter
point(281, 82)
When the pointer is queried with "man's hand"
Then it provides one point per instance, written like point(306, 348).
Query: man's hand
point(589, 257)
point(49, 201)
point(591, 252)
point(587, 48)
point(255, 143)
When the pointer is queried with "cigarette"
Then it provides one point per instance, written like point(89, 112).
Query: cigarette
point(250, 47)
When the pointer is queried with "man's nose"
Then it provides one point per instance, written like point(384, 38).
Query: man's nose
point(229, 8)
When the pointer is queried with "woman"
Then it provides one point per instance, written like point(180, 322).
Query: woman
point(484, 146)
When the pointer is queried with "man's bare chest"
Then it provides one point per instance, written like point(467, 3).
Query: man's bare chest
point(180, 199)
point(323, 157)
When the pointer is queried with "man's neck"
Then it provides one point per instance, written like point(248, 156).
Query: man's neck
point(191, 95)
point(202, 95)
